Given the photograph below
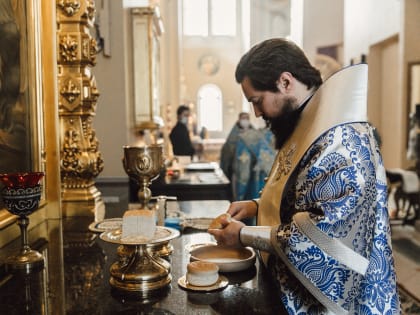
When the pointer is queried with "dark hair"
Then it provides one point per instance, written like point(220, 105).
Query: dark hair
point(264, 63)
point(181, 109)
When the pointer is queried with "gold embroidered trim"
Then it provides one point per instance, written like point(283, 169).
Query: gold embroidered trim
point(284, 161)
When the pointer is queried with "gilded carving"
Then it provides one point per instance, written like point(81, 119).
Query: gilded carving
point(94, 93)
point(69, 7)
point(97, 165)
point(71, 151)
point(85, 48)
point(68, 48)
point(81, 161)
point(70, 91)
point(93, 50)
point(91, 9)
point(90, 12)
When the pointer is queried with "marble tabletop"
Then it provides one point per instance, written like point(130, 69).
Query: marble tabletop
point(77, 273)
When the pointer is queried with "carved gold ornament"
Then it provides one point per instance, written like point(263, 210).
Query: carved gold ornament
point(68, 48)
point(69, 7)
point(81, 161)
point(90, 10)
point(70, 91)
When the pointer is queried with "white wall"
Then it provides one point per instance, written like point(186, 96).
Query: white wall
point(270, 18)
point(387, 31)
point(322, 25)
point(367, 23)
point(372, 28)
point(110, 122)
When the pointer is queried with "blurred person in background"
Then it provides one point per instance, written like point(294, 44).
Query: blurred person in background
point(180, 136)
point(228, 152)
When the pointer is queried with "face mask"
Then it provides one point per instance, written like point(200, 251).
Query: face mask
point(184, 120)
point(244, 123)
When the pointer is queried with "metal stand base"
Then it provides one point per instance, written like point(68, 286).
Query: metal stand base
point(25, 262)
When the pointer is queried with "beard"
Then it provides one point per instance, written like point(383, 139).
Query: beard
point(284, 125)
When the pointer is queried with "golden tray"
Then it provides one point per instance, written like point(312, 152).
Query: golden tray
point(162, 234)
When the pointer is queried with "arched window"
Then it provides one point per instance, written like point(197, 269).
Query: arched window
point(209, 107)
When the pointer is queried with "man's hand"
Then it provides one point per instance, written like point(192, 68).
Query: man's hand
point(221, 221)
point(229, 234)
point(242, 209)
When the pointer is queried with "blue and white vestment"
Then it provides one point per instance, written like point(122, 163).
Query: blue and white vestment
point(325, 207)
point(338, 188)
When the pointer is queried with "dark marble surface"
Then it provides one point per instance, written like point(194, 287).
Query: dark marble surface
point(76, 280)
point(190, 185)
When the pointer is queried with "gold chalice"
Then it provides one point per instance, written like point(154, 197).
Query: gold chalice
point(143, 164)
point(21, 195)
point(141, 267)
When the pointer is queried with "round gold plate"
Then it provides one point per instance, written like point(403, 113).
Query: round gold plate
point(220, 284)
point(162, 234)
point(106, 225)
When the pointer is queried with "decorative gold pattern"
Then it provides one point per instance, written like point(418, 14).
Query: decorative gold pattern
point(93, 50)
point(71, 152)
point(69, 7)
point(81, 161)
point(70, 91)
point(90, 9)
point(144, 162)
point(68, 46)
point(284, 161)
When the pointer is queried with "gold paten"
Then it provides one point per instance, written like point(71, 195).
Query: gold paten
point(81, 161)
point(138, 268)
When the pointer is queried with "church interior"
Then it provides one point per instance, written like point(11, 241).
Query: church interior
point(89, 90)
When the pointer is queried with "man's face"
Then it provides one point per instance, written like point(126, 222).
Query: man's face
point(184, 116)
point(279, 110)
point(244, 116)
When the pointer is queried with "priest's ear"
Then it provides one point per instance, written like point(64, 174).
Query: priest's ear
point(283, 83)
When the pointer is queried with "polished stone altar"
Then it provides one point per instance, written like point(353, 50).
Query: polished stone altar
point(193, 184)
point(77, 273)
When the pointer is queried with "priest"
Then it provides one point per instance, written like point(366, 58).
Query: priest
point(323, 230)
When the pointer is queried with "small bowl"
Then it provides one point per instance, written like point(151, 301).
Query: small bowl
point(227, 258)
